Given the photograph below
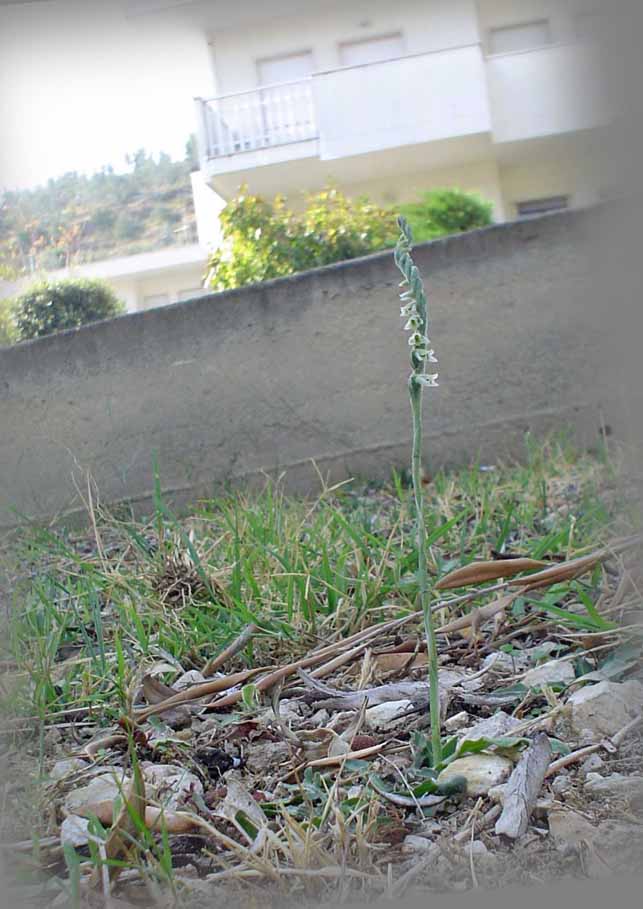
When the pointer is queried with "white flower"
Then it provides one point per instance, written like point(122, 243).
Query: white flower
point(413, 324)
point(431, 381)
point(408, 310)
point(417, 340)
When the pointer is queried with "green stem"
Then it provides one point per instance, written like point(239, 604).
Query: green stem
point(415, 393)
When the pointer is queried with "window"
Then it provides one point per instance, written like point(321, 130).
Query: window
point(290, 68)
point(192, 294)
point(532, 207)
point(525, 36)
point(285, 111)
point(371, 50)
point(152, 300)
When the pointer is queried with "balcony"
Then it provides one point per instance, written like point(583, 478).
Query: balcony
point(440, 109)
point(352, 111)
point(545, 92)
point(263, 118)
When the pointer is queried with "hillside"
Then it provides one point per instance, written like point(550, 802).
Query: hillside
point(77, 218)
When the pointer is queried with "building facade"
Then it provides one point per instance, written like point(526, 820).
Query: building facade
point(503, 97)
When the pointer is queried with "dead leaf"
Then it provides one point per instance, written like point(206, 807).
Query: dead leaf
point(397, 662)
point(566, 571)
point(239, 800)
point(479, 572)
point(475, 618)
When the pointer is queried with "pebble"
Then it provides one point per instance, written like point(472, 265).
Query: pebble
point(383, 716)
point(495, 726)
point(561, 785)
point(617, 784)
point(604, 708)
point(481, 771)
point(66, 767)
point(457, 721)
point(74, 831)
point(591, 764)
point(549, 673)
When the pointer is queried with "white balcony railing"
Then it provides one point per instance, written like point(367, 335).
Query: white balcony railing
point(412, 100)
point(261, 118)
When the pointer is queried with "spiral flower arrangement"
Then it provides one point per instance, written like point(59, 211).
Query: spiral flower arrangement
point(414, 310)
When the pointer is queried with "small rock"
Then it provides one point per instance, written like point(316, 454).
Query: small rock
point(103, 788)
point(591, 764)
point(617, 784)
point(320, 718)
point(477, 847)
point(192, 677)
point(549, 673)
point(497, 793)
point(496, 726)
point(265, 756)
point(170, 784)
point(67, 767)
point(383, 716)
point(457, 721)
point(605, 708)
point(74, 831)
point(418, 844)
point(481, 771)
point(561, 785)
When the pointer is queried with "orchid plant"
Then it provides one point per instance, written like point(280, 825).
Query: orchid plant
point(414, 311)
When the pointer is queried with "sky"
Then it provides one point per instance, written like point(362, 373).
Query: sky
point(82, 84)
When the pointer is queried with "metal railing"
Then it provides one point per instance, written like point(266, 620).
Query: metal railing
point(260, 118)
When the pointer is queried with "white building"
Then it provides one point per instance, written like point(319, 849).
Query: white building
point(389, 99)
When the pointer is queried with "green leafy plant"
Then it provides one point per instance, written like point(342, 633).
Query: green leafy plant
point(48, 307)
point(446, 211)
point(414, 310)
point(264, 240)
point(8, 330)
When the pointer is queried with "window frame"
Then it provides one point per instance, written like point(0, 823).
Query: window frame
point(516, 25)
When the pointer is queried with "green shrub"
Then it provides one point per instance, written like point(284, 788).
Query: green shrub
point(48, 307)
point(8, 330)
point(263, 240)
point(446, 211)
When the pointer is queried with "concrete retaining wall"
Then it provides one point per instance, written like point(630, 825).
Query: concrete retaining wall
point(313, 366)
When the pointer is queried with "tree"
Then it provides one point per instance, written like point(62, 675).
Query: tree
point(263, 240)
point(446, 211)
point(48, 307)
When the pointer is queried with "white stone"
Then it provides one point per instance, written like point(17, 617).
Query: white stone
point(605, 708)
point(617, 784)
point(74, 831)
point(477, 847)
point(67, 767)
point(383, 716)
point(103, 788)
point(418, 843)
point(192, 677)
point(457, 721)
point(591, 764)
point(171, 784)
point(496, 726)
point(481, 771)
point(561, 785)
point(549, 673)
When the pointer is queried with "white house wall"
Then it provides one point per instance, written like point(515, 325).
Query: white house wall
point(425, 26)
